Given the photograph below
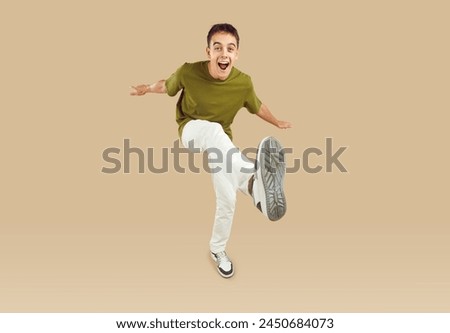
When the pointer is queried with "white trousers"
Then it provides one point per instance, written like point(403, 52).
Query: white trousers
point(230, 172)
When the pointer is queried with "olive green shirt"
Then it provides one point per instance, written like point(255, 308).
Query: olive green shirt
point(203, 97)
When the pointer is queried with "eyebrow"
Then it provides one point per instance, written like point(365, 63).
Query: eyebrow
point(230, 44)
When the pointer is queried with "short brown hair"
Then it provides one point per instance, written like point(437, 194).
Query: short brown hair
point(222, 27)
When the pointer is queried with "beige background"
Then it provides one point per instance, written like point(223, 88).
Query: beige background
point(374, 77)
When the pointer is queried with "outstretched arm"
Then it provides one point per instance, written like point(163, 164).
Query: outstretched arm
point(265, 114)
point(142, 89)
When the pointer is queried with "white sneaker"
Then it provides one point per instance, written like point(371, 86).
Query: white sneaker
point(224, 264)
point(268, 192)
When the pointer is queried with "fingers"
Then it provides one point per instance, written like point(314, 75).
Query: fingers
point(135, 91)
point(285, 125)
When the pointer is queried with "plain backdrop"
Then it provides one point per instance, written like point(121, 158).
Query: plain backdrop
point(374, 77)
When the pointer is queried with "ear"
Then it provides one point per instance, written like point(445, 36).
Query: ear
point(208, 52)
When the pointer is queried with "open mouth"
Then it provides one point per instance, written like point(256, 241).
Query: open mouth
point(223, 65)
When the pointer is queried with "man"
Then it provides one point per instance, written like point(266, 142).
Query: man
point(212, 92)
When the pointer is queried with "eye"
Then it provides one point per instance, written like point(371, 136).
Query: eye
point(231, 49)
point(217, 48)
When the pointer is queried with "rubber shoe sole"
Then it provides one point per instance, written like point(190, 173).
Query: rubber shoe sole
point(268, 188)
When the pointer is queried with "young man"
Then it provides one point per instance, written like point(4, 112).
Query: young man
point(212, 92)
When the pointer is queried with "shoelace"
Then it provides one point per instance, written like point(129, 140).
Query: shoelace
point(222, 257)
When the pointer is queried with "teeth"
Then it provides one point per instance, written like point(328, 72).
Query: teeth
point(223, 65)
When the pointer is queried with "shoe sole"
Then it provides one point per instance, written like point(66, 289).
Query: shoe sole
point(270, 172)
point(220, 272)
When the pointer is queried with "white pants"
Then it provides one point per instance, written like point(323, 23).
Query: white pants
point(230, 172)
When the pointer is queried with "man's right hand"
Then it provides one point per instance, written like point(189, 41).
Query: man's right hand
point(139, 90)
point(142, 89)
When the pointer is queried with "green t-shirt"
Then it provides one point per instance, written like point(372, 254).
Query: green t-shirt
point(204, 97)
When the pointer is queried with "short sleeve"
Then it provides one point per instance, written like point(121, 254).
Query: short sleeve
point(174, 82)
point(252, 103)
